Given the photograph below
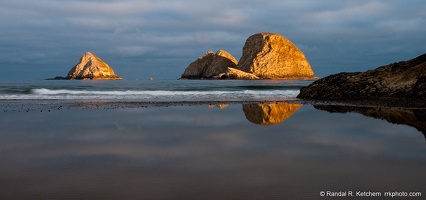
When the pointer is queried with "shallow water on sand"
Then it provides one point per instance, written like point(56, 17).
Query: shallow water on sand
point(203, 152)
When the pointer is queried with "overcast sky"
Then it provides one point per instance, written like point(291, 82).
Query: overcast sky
point(159, 38)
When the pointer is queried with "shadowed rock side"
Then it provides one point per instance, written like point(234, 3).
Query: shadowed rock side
point(405, 79)
point(412, 117)
point(268, 114)
point(272, 56)
point(210, 65)
point(91, 67)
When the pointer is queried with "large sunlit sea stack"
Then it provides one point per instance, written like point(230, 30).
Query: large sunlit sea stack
point(265, 56)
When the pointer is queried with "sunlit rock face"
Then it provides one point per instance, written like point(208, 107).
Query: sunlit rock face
point(210, 65)
point(92, 67)
point(272, 56)
point(268, 114)
point(406, 79)
point(232, 73)
point(265, 56)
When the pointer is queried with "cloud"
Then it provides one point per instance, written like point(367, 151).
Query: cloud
point(335, 35)
point(361, 11)
point(132, 50)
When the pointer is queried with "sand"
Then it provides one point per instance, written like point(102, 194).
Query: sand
point(198, 150)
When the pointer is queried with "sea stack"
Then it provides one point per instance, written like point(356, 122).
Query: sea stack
point(91, 67)
point(210, 65)
point(265, 56)
point(272, 56)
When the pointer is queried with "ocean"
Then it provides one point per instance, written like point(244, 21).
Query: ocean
point(153, 91)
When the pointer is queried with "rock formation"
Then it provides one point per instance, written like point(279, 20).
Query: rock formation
point(400, 80)
point(265, 56)
point(210, 65)
point(91, 67)
point(271, 56)
point(232, 73)
point(268, 114)
point(221, 62)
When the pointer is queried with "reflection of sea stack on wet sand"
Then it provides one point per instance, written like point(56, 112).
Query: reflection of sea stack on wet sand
point(267, 114)
point(220, 106)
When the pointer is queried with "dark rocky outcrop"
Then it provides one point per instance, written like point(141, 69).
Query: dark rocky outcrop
point(272, 56)
point(90, 67)
point(269, 114)
point(402, 80)
point(210, 65)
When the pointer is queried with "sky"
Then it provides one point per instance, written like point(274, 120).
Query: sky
point(158, 38)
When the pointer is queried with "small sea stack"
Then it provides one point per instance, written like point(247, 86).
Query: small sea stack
point(90, 67)
point(210, 65)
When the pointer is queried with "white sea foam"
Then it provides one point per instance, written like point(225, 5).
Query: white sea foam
point(154, 95)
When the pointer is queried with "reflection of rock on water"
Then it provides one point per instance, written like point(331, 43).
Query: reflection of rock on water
point(412, 117)
point(268, 114)
point(220, 106)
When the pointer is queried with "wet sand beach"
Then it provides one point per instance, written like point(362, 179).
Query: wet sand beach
point(205, 150)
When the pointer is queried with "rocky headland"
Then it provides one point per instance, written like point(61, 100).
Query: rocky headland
point(265, 56)
point(400, 83)
point(90, 67)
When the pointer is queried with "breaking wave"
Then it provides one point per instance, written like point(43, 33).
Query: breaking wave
point(155, 95)
point(160, 90)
